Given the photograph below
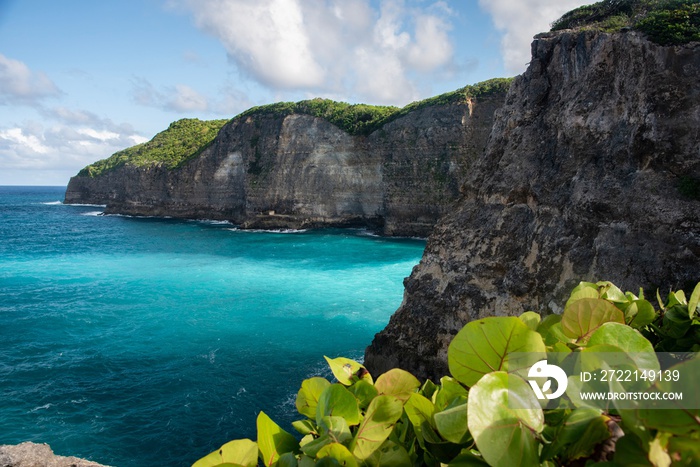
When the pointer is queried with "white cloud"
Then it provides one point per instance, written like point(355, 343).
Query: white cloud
point(520, 20)
point(179, 98)
point(333, 47)
point(20, 85)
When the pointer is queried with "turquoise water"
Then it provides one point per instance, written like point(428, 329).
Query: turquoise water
point(136, 342)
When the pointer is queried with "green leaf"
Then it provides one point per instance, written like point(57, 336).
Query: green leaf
point(640, 313)
point(450, 389)
point(364, 392)
point(583, 290)
point(584, 316)
point(504, 435)
point(694, 300)
point(451, 423)
point(389, 454)
point(581, 431)
point(419, 410)
point(482, 346)
point(348, 371)
point(338, 452)
point(337, 401)
point(676, 322)
point(609, 291)
point(240, 452)
point(383, 412)
point(304, 427)
point(336, 428)
point(307, 397)
point(546, 323)
point(531, 319)
point(624, 337)
point(287, 459)
point(398, 383)
point(273, 441)
point(467, 458)
point(686, 418)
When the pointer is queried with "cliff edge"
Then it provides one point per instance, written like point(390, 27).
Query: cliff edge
point(592, 172)
point(296, 166)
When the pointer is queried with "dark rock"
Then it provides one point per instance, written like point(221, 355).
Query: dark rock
point(580, 181)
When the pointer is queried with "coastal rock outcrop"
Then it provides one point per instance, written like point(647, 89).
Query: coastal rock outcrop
point(592, 172)
point(281, 170)
point(38, 455)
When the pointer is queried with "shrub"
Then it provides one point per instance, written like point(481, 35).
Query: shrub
point(485, 413)
point(182, 140)
point(665, 22)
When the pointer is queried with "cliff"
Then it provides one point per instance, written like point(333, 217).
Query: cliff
point(276, 167)
point(592, 172)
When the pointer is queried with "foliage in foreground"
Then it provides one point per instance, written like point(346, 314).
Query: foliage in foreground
point(665, 22)
point(466, 419)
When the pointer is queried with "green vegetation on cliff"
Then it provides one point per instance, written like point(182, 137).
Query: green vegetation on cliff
point(187, 138)
point(182, 140)
point(665, 22)
point(363, 119)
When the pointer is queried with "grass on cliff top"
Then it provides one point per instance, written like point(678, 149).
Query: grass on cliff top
point(363, 119)
point(187, 138)
point(666, 22)
point(182, 140)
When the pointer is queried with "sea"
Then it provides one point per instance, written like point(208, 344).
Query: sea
point(152, 342)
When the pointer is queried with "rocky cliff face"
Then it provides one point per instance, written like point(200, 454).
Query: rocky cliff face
point(592, 172)
point(292, 171)
point(38, 455)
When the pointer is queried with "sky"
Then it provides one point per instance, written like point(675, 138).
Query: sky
point(82, 79)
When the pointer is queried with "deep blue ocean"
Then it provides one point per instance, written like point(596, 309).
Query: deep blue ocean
point(151, 342)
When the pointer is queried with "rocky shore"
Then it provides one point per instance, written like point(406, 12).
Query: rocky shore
point(38, 455)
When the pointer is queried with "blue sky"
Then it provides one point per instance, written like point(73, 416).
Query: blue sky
point(81, 79)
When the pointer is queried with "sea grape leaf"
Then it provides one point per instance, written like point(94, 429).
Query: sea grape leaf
point(337, 428)
point(505, 435)
point(694, 300)
point(364, 392)
point(531, 319)
point(238, 453)
point(348, 371)
point(389, 454)
point(686, 418)
point(338, 452)
point(312, 447)
point(398, 383)
point(467, 458)
point(288, 459)
point(581, 431)
point(307, 397)
point(450, 389)
point(639, 313)
point(273, 441)
point(383, 412)
point(675, 321)
point(482, 346)
point(451, 423)
point(304, 427)
point(628, 340)
point(583, 290)
point(337, 401)
point(419, 410)
point(611, 292)
point(584, 316)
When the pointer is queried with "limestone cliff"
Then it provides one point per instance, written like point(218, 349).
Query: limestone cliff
point(592, 172)
point(38, 455)
point(295, 170)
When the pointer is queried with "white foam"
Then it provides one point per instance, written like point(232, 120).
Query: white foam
point(93, 213)
point(88, 205)
point(52, 203)
point(274, 231)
